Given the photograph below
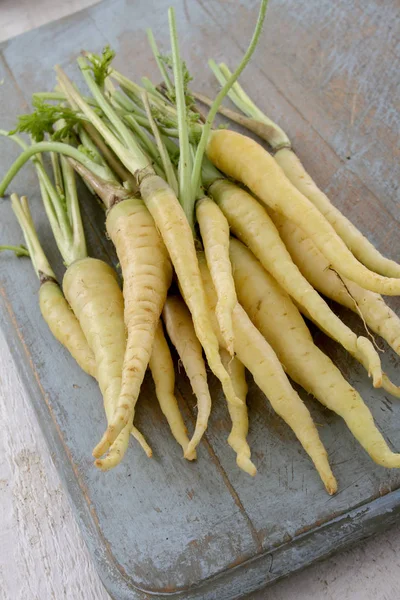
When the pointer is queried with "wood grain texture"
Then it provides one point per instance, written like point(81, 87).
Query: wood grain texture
point(42, 553)
point(189, 523)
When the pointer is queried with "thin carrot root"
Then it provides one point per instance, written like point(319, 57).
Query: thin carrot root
point(316, 268)
point(214, 229)
point(163, 373)
point(139, 437)
point(147, 276)
point(239, 416)
point(92, 290)
point(258, 357)
point(65, 326)
point(178, 238)
point(368, 356)
point(359, 245)
point(251, 223)
point(274, 314)
point(180, 329)
point(243, 159)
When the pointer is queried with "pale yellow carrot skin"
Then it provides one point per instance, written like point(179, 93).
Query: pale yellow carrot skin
point(67, 330)
point(243, 159)
point(180, 329)
point(214, 229)
point(65, 326)
point(250, 222)
point(259, 358)
point(147, 274)
point(172, 223)
point(163, 373)
point(378, 316)
point(274, 314)
point(369, 305)
point(139, 437)
point(92, 290)
point(238, 414)
point(359, 245)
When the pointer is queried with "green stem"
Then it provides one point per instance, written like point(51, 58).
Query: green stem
point(58, 96)
point(158, 101)
point(133, 159)
point(38, 257)
point(18, 250)
point(160, 64)
point(123, 132)
point(78, 235)
point(151, 89)
point(55, 163)
point(146, 142)
point(40, 147)
point(107, 191)
point(236, 99)
point(165, 158)
point(270, 131)
point(59, 221)
point(186, 196)
point(55, 200)
point(209, 173)
point(196, 175)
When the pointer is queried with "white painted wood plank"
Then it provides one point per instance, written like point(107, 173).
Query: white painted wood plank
point(42, 554)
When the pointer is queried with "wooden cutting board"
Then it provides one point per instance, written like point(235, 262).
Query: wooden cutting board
point(328, 73)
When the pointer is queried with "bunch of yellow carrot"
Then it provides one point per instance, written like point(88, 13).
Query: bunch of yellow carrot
point(222, 246)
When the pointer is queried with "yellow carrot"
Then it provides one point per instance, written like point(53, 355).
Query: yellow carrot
point(260, 359)
point(163, 373)
point(64, 325)
point(147, 275)
point(251, 223)
point(139, 437)
point(92, 290)
point(239, 416)
point(243, 159)
point(214, 229)
point(274, 314)
point(359, 245)
point(375, 313)
point(179, 326)
point(173, 225)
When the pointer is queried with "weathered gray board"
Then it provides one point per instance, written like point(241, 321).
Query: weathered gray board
point(328, 72)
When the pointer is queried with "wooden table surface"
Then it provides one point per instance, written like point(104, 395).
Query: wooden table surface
point(42, 555)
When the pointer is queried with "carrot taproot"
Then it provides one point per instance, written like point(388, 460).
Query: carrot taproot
point(259, 358)
point(147, 276)
point(238, 414)
point(250, 222)
point(92, 290)
point(163, 373)
point(371, 307)
point(180, 329)
point(64, 325)
point(214, 230)
point(357, 243)
point(243, 159)
point(378, 316)
point(173, 225)
point(274, 314)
